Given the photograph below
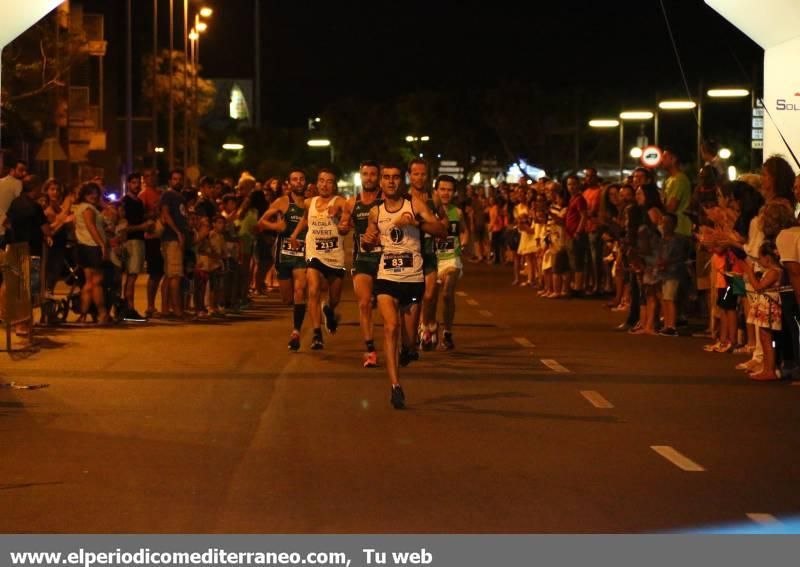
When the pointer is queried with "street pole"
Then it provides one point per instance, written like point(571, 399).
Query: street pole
point(655, 126)
point(621, 149)
point(196, 119)
point(154, 78)
point(699, 124)
point(185, 83)
point(171, 133)
point(129, 95)
point(257, 58)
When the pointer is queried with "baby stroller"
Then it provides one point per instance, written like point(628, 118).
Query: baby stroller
point(115, 303)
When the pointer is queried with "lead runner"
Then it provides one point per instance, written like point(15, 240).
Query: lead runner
point(397, 225)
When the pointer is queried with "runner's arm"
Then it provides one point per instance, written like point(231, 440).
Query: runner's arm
point(463, 230)
point(428, 221)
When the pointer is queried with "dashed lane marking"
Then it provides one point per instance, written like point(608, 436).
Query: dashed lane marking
point(763, 519)
point(522, 341)
point(486, 313)
point(472, 302)
point(678, 459)
point(596, 399)
point(555, 366)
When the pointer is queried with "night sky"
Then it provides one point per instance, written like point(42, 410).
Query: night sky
point(315, 53)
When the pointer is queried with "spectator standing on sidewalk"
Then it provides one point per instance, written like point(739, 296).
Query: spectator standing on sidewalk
point(151, 197)
point(134, 212)
point(173, 240)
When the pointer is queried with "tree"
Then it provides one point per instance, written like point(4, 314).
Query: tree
point(35, 70)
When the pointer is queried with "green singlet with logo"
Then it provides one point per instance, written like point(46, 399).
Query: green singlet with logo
point(449, 248)
point(364, 262)
point(288, 256)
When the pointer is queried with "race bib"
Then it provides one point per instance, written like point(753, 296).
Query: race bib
point(327, 244)
point(287, 250)
point(397, 262)
point(445, 244)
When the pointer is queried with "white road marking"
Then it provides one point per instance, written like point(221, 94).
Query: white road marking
point(472, 302)
point(522, 341)
point(763, 519)
point(596, 399)
point(679, 460)
point(486, 313)
point(462, 293)
point(555, 366)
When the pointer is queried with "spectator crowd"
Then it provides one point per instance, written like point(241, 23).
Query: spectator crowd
point(659, 247)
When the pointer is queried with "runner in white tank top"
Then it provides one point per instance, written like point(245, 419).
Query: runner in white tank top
point(397, 225)
point(401, 260)
point(323, 241)
point(324, 253)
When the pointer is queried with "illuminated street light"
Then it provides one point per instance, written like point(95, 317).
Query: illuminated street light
point(193, 35)
point(728, 93)
point(159, 149)
point(410, 138)
point(677, 105)
point(636, 153)
point(202, 26)
point(424, 138)
point(319, 143)
point(233, 146)
point(636, 115)
point(206, 12)
point(725, 153)
point(604, 123)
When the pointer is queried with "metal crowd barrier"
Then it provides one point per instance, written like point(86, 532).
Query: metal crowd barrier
point(20, 290)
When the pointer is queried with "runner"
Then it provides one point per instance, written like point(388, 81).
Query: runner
point(324, 253)
point(448, 256)
point(283, 216)
point(365, 264)
point(428, 329)
point(397, 226)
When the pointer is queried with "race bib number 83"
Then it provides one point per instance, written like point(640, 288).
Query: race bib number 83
point(398, 262)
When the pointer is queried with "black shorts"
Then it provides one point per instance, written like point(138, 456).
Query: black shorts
point(366, 267)
point(90, 257)
point(153, 258)
point(726, 299)
point(406, 293)
point(430, 264)
point(326, 271)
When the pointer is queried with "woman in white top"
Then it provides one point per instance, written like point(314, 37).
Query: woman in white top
point(92, 250)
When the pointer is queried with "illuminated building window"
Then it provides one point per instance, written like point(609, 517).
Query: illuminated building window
point(238, 104)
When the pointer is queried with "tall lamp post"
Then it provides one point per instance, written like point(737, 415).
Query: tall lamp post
point(608, 123)
point(321, 143)
point(630, 116)
point(417, 141)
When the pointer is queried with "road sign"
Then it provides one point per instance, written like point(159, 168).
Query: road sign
point(651, 156)
point(757, 144)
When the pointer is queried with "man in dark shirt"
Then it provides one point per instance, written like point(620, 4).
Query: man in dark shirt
point(26, 216)
point(134, 211)
point(176, 226)
point(28, 223)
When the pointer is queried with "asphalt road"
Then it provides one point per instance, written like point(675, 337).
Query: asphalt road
point(202, 428)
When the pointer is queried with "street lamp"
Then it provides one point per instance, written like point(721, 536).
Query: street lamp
point(607, 123)
point(416, 140)
point(728, 93)
point(233, 146)
point(206, 12)
point(321, 143)
point(630, 115)
point(725, 153)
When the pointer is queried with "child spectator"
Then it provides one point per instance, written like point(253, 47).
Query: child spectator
point(216, 265)
point(765, 312)
point(202, 265)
